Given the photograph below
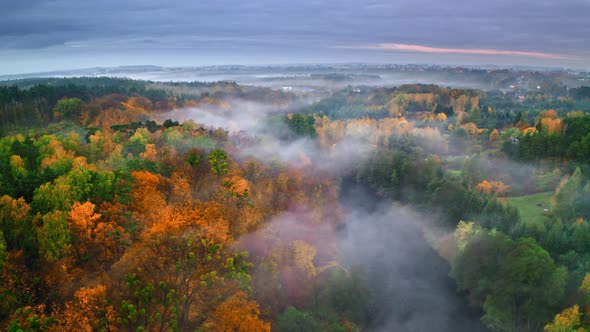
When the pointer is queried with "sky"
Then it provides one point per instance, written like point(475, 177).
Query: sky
point(45, 35)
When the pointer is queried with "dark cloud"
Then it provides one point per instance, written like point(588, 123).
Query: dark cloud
point(526, 25)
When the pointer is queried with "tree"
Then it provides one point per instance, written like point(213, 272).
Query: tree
point(303, 255)
point(54, 235)
point(237, 314)
point(83, 222)
point(147, 197)
point(301, 124)
point(88, 311)
point(566, 321)
point(585, 288)
point(219, 161)
point(494, 138)
point(493, 187)
point(16, 223)
point(149, 306)
point(66, 108)
point(31, 319)
point(527, 288)
point(569, 190)
point(293, 320)
point(3, 252)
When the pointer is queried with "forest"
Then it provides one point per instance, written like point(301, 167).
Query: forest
point(130, 205)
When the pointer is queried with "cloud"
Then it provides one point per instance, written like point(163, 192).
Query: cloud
point(266, 30)
point(468, 51)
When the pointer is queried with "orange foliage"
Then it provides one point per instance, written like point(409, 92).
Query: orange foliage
point(472, 129)
point(552, 125)
point(530, 131)
point(88, 311)
point(83, 219)
point(137, 105)
point(147, 198)
point(237, 314)
point(150, 152)
point(208, 217)
point(239, 185)
point(182, 191)
point(550, 114)
point(495, 187)
point(494, 136)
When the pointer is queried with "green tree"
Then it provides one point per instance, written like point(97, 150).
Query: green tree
point(54, 235)
point(302, 125)
point(293, 320)
point(67, 108)
point(219, 161)
point(564, 201)
point(527, 288)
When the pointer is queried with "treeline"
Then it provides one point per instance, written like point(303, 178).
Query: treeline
point(552, 137)
point(32, 102)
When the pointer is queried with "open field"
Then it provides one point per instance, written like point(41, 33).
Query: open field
point(531, 206)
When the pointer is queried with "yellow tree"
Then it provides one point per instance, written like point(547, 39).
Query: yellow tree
point(566, 321)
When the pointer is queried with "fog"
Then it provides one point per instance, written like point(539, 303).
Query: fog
point(237, 115)
point(408, 282)
point(391, 246)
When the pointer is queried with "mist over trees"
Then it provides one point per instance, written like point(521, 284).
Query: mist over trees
point(137, 205)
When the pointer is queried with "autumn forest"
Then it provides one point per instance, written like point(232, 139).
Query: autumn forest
point(136, 205)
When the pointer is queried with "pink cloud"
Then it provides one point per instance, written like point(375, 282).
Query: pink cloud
point(444, 50)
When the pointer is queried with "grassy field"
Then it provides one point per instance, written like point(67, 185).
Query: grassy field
point(528, 207)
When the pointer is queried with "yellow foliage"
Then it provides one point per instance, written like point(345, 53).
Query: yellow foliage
point(567, 320)
point(585, 287)
point(303, 254)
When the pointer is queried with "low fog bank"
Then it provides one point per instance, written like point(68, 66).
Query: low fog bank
point(339, 159)
point(236, 115)
point(409, 282)
point(303, 82)
point(247, 123)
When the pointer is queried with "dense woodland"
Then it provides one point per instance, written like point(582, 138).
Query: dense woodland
point(114, 217)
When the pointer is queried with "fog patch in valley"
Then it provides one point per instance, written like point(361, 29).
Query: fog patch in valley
point(409, 283)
